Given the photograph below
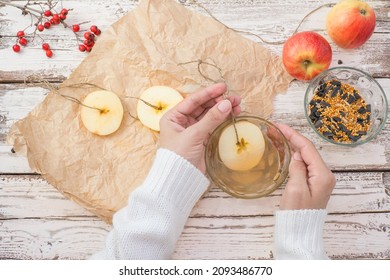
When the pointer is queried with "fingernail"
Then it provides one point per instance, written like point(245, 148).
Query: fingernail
point(297, 156)
point(224, 106)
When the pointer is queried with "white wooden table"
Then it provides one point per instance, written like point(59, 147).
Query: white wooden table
point(37, 222)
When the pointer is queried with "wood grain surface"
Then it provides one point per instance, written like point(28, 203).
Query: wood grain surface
point(37, 222)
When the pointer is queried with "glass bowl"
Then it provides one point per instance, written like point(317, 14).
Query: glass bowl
point(370, 91)
point(262, 179)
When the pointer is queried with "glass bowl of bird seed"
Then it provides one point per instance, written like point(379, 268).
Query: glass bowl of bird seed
point(346, 106)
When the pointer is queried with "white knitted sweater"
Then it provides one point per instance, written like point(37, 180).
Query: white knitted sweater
point(149, 227)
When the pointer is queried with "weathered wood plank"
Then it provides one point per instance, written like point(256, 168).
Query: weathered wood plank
point(16, 101)
point(360, 236)
point(363, 236)
point(30, 197)
point(260, 17)
point(73, 238)
point(12, 163)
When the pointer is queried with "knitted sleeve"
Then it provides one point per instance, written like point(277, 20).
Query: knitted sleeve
point(149, 227)
point(299, 234)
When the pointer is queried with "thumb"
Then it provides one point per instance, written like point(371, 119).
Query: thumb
point(297, 171)
point(214, 117)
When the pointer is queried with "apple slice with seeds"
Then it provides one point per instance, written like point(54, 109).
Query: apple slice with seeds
point(246, 153)
point(154, 103)
point(102, 112)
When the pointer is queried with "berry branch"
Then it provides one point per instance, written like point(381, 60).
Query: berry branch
point(45, 18)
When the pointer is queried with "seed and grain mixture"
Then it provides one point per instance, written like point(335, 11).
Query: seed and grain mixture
point(339, 112)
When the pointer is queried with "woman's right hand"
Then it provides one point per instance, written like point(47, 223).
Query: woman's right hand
point(310, 182)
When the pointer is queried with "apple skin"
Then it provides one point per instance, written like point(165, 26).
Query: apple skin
point(306, 54)
point(350, 23)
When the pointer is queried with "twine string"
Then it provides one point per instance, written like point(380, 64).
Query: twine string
point(39, 81)
point(226, 94)
point(329, 5)
point(146, 102)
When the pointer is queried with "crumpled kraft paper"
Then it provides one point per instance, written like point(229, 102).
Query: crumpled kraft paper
point(144, 48)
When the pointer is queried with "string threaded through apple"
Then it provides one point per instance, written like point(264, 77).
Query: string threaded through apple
point(241, 145)
point(154, 102)
point(101, 111)
point(206, 77)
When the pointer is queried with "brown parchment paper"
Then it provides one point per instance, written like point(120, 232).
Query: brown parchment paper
point(142, 49)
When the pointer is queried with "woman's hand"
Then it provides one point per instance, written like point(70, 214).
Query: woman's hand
point(185, 129)
point(310, 182)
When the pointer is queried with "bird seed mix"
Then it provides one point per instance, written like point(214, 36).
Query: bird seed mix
point(339, 112)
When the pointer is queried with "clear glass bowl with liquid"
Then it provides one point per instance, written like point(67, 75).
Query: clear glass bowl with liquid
point(260, 180)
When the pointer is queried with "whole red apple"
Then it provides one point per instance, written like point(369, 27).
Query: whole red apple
point(306, 54)
point(350, 23)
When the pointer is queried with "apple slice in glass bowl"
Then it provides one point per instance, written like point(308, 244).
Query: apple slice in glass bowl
point(254, 165)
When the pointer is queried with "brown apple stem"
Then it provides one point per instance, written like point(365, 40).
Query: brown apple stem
point(329, 5)
point(147, 103)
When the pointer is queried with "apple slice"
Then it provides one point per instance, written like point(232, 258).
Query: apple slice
point(104, 113)
point(248, 152)
point(154, 103)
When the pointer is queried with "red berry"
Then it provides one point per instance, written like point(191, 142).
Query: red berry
point(23, 41)
point(16, 48)
point(93, 28)
point(82, 48)
point(52, 21)
point(98, 32)
point(45, 46)
point(49, 53)
point(88, 43)
point(47, 25)
point(76, 28)
point(40, 27)
point(47, 13)
point(56, 17)
point(88, 48)
point(20, 34)
point(89, 36)
point(64, 12)
point(63, 17)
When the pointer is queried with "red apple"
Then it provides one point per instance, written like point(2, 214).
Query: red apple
point(350, 23)
point(306, 54)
